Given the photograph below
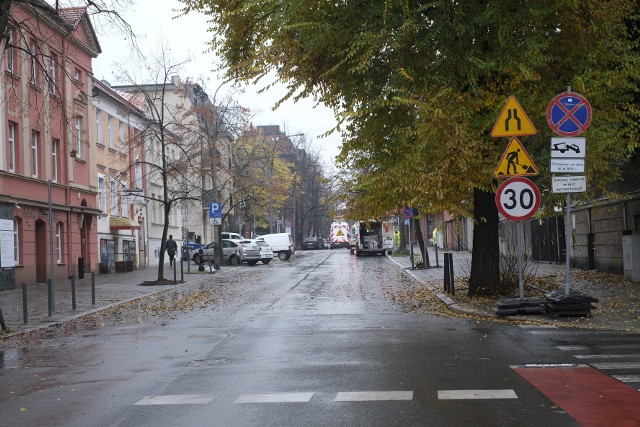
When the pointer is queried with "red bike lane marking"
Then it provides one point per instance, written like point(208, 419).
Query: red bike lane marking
point(589, 396)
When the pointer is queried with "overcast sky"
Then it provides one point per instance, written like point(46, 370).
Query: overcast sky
point(187, 36)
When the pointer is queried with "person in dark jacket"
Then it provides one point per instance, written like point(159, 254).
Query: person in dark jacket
point(172, 248)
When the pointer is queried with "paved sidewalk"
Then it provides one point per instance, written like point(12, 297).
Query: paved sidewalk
point(618, 307)
point(110, 290)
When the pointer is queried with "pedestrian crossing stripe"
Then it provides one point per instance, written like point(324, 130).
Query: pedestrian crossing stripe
point(177, 399)
point(513, 121)
point(275, 398)
point(516, 161)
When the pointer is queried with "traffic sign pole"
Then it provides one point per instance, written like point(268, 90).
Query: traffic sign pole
point(567, 285)
point(519, 256)
point(518, 199)
point(568, 115)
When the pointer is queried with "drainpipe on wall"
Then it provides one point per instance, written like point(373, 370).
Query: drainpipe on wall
point(66, 147)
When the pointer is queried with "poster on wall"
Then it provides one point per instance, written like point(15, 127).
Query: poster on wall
point(6, 244)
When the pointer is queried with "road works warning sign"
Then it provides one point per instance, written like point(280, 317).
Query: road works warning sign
point(513, 121)
point(516, 162)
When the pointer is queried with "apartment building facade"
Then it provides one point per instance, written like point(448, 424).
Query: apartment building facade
point(47, 201)
point(118, 142)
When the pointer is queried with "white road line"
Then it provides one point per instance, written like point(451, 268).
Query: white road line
point(618, 346)
point(616, 365)
point(177, 399)
point(606, 356)
point(627, 378)
point(542, 332)
point(538, 326)
point(365, 396)
point(476, 394)
point(571, 347)
point(274, 398)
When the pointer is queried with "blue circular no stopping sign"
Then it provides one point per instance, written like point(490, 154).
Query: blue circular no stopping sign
point(569, 114)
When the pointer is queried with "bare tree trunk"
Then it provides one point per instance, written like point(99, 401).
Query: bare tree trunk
point(485, 261)
point(403, 235)
point(420, 237)
point(2, 324)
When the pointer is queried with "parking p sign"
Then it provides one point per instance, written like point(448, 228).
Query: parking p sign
point(215, 210)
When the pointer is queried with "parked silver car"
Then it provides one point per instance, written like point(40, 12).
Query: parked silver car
point(233, 252)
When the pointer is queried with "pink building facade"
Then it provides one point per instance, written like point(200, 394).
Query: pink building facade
point(46, 163)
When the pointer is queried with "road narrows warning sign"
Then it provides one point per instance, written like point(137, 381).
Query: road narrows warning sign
point(513, 121)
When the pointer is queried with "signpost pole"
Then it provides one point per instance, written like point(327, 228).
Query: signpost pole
point(567, 236)
point(411, 243)
point(519, 257)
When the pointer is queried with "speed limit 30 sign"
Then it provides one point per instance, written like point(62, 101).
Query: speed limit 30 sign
point(518, 199)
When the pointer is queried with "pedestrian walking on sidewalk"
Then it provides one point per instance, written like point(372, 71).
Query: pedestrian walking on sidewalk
point(172, 247)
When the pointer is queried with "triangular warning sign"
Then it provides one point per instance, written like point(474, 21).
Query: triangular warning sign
point(513, 121)
point(516, 161)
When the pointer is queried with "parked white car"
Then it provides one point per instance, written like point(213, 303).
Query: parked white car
point(266, 252)
point(231, 236)
point(281, 244)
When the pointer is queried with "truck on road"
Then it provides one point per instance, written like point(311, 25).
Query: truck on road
point(339, 235)
point(372, 237)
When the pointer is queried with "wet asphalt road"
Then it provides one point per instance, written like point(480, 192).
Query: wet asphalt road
point(314, 341)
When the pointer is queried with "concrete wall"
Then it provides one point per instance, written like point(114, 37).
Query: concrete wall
point(607, 222)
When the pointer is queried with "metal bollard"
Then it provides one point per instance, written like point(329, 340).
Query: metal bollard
point(50, 296)
point(93, 288)
point(182, 270)
point(25, 312)
point(73, 292)
point(446, 273)
point(174, 273)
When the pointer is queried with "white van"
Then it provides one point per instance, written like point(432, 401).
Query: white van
point(281, 244)
point(232, 236)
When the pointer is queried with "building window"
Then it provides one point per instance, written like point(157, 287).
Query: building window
point(138, 174)
point(11, 155)
point(35, 142)
point(100, 127)
point(102, 193)
point(125, 205)
point(78, 74)
point(154, 213)
point(53, 73)
point(112, 143)
point(16, 240)
point(33, 62)
point(55, 151)
point(114, 196)
point(59, 242)
point(123, 133)
point(10, 53)
point(79, 137)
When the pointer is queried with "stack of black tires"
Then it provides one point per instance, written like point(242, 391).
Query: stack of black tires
point(573, 304)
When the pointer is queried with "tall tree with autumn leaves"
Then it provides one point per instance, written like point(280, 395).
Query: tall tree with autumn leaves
point(419, 85)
